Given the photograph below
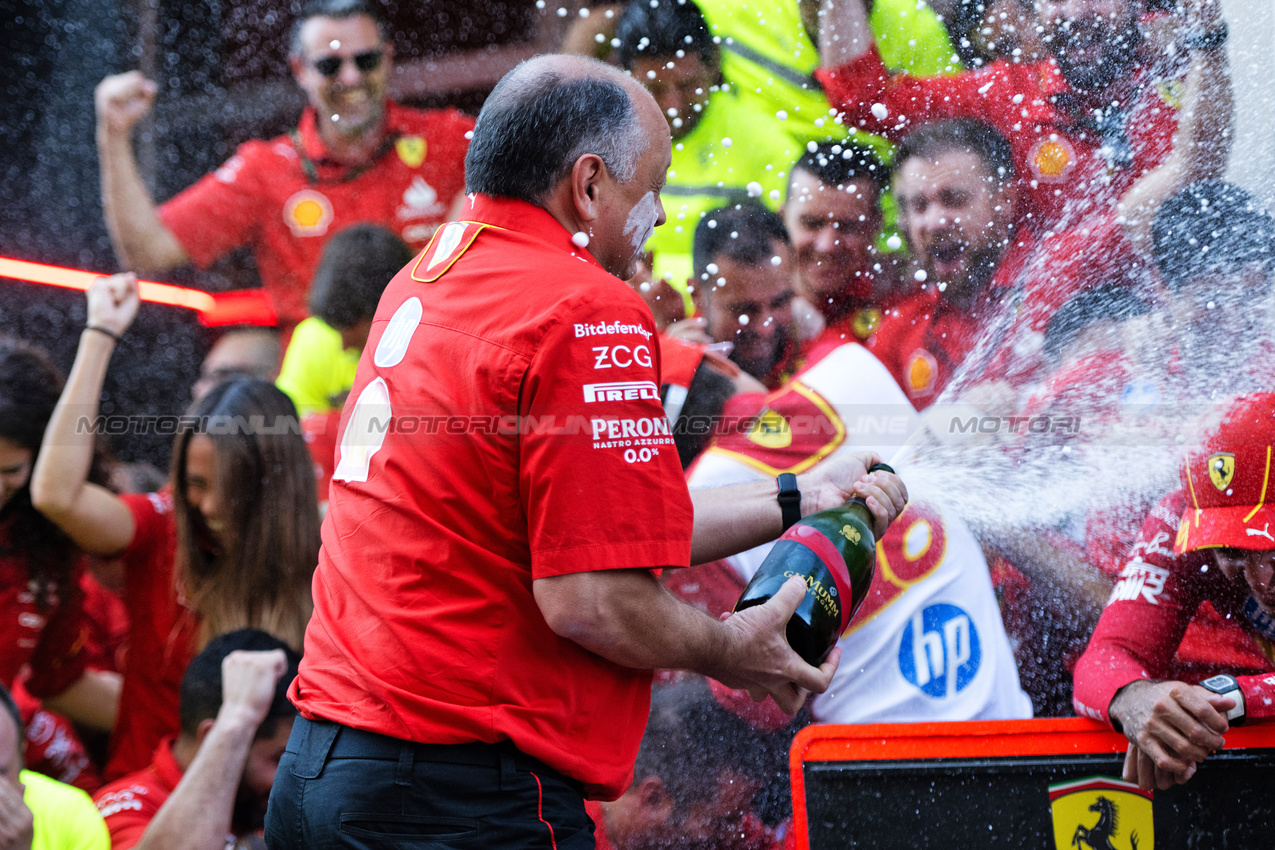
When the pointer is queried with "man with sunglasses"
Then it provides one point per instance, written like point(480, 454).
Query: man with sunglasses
point(355, 156)
point(1210, 541)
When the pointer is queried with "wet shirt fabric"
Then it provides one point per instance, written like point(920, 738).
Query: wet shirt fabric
point(285, 197)
point(129, 804)
point(162, 634)
point(48, 634)
point(1068, 166)
point(1173, 617)
point(928, 642)
point(526, 440)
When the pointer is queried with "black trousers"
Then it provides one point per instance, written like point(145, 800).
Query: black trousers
point(342, 787)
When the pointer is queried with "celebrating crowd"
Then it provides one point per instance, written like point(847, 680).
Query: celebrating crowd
point(548, 383)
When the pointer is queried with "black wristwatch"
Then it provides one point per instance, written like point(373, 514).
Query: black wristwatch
point(1228, 686)
point(1207, 39)
point(789, 499)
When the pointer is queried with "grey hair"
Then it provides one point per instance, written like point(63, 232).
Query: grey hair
point(538, 121)
point(338, 9)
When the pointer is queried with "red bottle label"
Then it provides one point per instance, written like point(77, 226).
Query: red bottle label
point(826, 552)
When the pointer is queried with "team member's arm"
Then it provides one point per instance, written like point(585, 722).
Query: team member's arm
point(198, 814)
point(844, 32)
point(627, 617)
point(94, 517)
point(1202, 146)
point(730, 520)
point(1171, 726)
point(140, 239)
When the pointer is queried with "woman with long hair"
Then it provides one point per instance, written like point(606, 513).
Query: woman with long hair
point(41, 603)
point(231, 544)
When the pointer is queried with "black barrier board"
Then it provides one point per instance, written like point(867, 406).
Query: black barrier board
point(1005, 802)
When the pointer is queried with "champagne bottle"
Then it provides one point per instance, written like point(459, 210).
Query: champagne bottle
point(834, 552)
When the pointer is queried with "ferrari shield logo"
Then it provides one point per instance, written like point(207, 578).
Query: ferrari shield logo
point(771, 431)
point(411, 149)
point(1221, 469)
point(1101, 813)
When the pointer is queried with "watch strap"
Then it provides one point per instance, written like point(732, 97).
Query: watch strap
point(789, 499)
point(1228, 686)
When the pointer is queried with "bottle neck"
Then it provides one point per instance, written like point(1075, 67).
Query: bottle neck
point(859, 508)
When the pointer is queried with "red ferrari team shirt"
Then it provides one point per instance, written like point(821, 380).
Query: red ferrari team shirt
point(285, 197)
point(1070, 165)
point(162, 633)
point(505, 426)
point(1172, 617)
point(130, 804)
point(48, 634)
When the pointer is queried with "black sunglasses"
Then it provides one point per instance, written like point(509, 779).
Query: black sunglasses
point(330, 66)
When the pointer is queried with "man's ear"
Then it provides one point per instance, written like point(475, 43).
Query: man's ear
point(654, 799)
point(587, 177)
point(201, 731)
point(296, 65)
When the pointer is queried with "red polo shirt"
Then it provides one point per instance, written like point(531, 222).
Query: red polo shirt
point(130, 804)
point(1058, 155)
point(285, 197)
point(504, 426)
point(161, 636)
point(49, 635)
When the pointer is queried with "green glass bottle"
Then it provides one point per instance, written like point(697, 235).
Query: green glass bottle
point(834, 552)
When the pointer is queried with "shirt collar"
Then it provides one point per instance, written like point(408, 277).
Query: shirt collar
point(165, 763)
point(312, 143)
point(526, 218)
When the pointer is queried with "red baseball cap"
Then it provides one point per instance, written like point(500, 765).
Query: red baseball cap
point(1230, 495)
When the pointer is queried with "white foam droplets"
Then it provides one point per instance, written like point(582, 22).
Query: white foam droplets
point(776, 260)
point(879, 111)
point(711, 268)
point(775, 194)
point(1018, 98)
point(920, 275)
point(726, 142)
point(812, 146)
point(754, 189)
point(894, 243)
point(580, 239)
point(743, 319)
point(781, 115)
point(398, 334)
point(984, 89)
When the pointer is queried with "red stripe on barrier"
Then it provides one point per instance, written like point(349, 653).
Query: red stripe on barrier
point(240, 307)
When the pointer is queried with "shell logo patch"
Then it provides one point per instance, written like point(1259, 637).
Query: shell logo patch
point(307, 213)
point(1101, 811)
point(1052, 159)
point(1171, 91)
point(921, 372)
point(411, 149)
point(1221, 469)
point(771, 431)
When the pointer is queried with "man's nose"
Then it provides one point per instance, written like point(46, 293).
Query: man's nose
point(349, 75)
point(826, 238)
